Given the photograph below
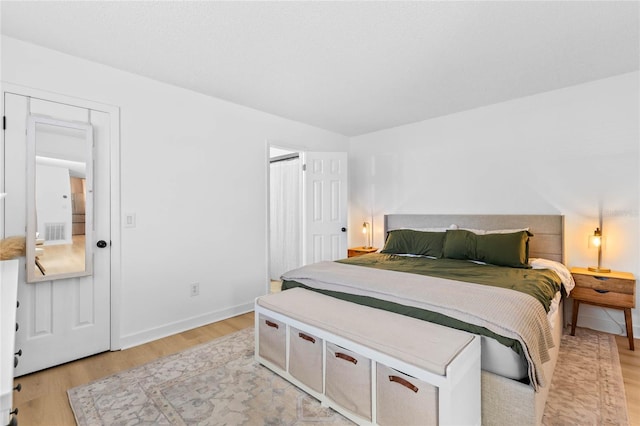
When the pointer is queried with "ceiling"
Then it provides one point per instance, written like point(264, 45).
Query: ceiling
point(348, 67)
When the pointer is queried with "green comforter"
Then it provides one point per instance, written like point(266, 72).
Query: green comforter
point(542, 284)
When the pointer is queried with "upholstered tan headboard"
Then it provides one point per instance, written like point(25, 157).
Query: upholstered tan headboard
point(547, 241)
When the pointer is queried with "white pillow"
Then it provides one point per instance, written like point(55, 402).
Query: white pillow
point(433, 229)
point(506, 231)
point(475, 231)
point(494, 231)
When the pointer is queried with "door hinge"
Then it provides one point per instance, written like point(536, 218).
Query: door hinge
point(4, 122)
point(304, 167)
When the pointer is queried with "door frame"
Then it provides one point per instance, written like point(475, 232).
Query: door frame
point(115, 219)
point(303, 153)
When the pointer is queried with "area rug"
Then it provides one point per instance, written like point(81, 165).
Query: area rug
point(216, 383)
point(587, 386)
point(219, 383)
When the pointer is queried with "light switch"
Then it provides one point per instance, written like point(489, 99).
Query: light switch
point(129, 220)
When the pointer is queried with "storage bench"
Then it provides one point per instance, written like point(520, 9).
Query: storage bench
point(372, 366)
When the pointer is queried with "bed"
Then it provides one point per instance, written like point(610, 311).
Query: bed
point(461, 271)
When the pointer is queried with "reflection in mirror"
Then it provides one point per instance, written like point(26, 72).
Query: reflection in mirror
point(59, 203)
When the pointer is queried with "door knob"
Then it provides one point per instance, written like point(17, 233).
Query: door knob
point(343, 229)
point(101, 243)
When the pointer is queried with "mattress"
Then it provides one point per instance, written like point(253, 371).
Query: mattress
point(501, 360)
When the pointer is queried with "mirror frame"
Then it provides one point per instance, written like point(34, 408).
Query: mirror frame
point(32, 122)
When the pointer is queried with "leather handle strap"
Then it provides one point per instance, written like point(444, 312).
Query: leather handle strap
point(346, 357)
point(271, 324)
point(307, 337)
point(407, 384)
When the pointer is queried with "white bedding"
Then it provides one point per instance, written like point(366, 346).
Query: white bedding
point(558, 268)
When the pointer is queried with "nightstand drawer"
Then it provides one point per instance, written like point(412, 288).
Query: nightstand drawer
point(617, 285)
point(610, 298)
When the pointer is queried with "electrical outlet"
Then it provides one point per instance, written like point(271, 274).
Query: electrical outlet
point(195, 289)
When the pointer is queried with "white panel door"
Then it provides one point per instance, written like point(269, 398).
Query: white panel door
point(65, 319)
point(325, 206)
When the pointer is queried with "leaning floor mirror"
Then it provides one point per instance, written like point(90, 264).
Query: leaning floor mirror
point(59, 199)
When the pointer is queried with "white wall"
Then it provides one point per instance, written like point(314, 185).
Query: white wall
point(560, 152)
point(193, 170)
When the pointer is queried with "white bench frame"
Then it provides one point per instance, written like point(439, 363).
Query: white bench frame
point(459, 387)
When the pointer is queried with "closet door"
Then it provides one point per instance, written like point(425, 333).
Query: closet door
point(285, 196)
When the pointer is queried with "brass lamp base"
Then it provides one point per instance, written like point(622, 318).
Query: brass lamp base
point(599, 269)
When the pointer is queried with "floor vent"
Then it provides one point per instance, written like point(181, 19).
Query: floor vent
point(54, 231)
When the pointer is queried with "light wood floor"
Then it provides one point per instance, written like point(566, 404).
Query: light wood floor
point(43, 400)
point(630, 363)
point(63, 258)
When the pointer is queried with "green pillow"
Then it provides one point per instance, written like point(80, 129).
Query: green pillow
point(504, 249)
point(459, 244)
point(408, 241)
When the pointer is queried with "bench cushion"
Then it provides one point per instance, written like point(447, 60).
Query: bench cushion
point(425, 345)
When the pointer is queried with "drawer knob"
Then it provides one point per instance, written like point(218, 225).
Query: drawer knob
point(407, 384)
point(271, 324)
point(346, 357)
point(306, 337)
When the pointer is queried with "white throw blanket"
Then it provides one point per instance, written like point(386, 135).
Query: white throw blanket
point(505, 312)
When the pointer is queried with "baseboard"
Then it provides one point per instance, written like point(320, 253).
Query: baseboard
point(150, 335)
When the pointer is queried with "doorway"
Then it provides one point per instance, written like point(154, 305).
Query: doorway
point(285, 213)
point(306, 208)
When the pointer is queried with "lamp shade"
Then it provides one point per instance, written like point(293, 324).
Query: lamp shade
point(367, 233)
point(597, 241)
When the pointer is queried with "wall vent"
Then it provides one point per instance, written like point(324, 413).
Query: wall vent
point(54, 231)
